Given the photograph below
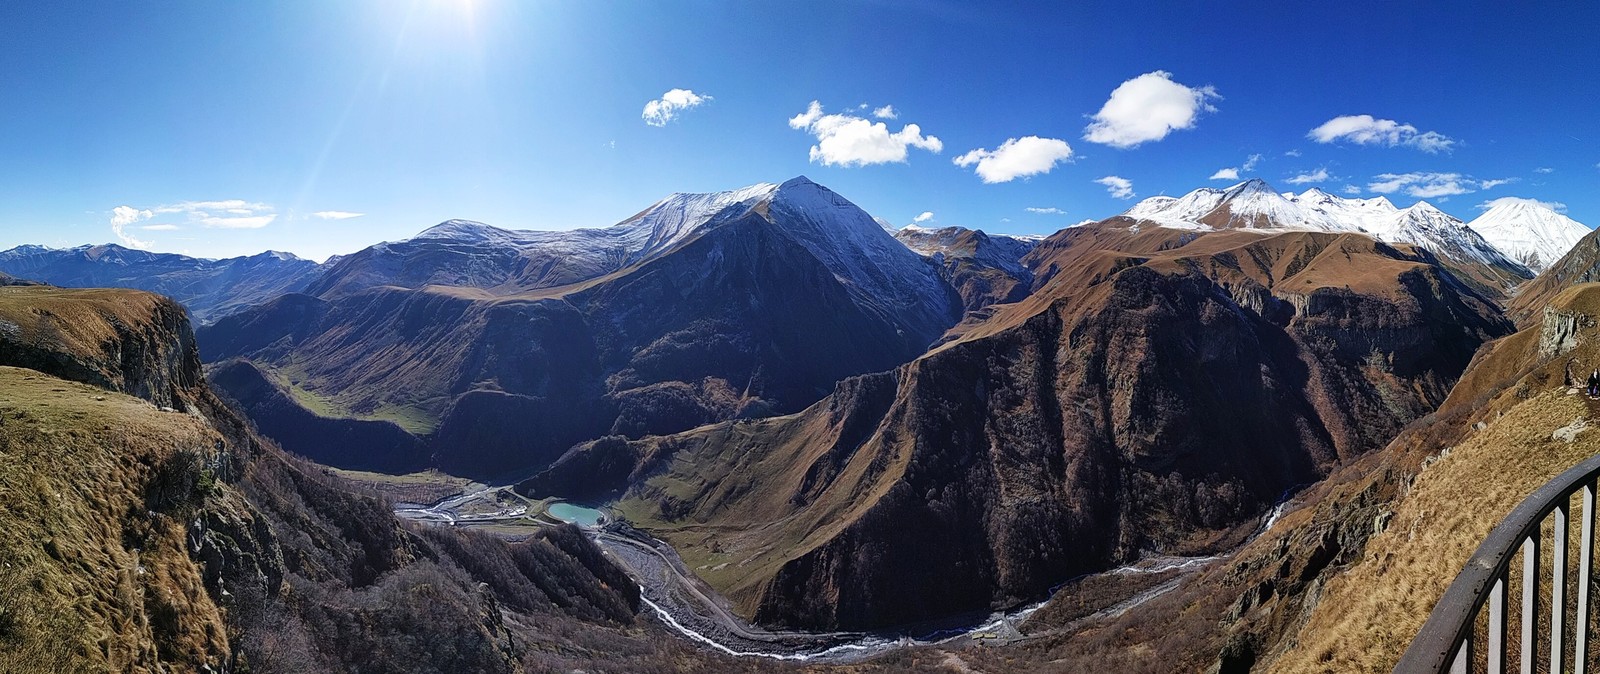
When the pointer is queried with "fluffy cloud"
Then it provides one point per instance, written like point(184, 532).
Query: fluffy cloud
point(223, 214)
point(923, 217)
point(1292, 153)
point(1117, 187)
point(847, 140)
point(1147, 108)
point(336, 215)
point(886, 112)
point(124, 216)
point(1318, 176)
point(1226, 174)
point(1552, 205)
point(1251, 161)
point(662, 110)
point(1352, 189)
point(1368, 130)
point(1431, 185)
point(1052, 210)
point(1016, 158)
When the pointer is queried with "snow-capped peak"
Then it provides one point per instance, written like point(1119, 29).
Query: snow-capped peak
point(1528, 231)
point(1445, 235)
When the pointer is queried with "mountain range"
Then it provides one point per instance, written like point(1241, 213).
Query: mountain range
point(505, 348)
point(830, 418)
point(209, 289)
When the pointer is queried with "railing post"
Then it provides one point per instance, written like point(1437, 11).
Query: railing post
point(1497, 627)
point(1463, 661)
point(1530, 600)
point(1580, 644)
point(1558, 587)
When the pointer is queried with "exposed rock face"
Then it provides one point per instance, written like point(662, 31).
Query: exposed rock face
point(130, 342)
point(1156, 388)
point(751, 316)
point(208, 288)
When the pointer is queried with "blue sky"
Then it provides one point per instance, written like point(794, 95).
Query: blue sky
point(223, 128)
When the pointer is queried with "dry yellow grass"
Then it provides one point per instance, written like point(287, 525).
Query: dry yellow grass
point(89, 576)
point(1370, 613)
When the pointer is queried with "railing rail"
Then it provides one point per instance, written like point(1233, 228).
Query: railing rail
point(1445, 643)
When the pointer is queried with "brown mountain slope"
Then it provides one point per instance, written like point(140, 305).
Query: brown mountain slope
point(984, 269)
point(1158, 387)
point(137, 538)
point(1343, 580)
point(1579, 265)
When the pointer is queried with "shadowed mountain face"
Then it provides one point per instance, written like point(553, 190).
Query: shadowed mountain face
point(984, 268)
point(209, 289)
point(754, 309)
point(1157, 388)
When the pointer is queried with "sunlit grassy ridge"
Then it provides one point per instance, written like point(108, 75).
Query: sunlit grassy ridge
point(91, 550)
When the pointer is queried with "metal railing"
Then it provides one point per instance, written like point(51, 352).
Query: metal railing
point(1445, 643)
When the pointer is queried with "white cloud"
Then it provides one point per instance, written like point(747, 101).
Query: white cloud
point(1318, 176)
point(1368, 130)
point(1425, 185)
point(886, 112)
point(1147, 108)
point(847, 140)
point(122, 217)
point(336, 215)
point(662, 110)
point(1251, 162)
point(1016, 158)
point(1552, 205)
point(923, 217)
point(1225, 174)
point(1544, 169)
point(1352, 189)
point(1292, 153)
point(1118, 187)
point(1051, 210)
point(220, 214)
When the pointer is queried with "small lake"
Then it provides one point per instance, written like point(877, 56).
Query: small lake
point(579, 515)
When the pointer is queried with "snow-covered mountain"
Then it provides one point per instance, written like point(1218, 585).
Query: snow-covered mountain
point(1252, 204)
point(849, 242)
point(1446, 236)
point(1528, 231)
point(1515, 235)
point(1374, 215)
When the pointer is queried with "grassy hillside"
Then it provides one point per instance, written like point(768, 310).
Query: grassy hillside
point(93, 569)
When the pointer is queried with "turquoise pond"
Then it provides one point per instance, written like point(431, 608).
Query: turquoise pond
point(579, 515)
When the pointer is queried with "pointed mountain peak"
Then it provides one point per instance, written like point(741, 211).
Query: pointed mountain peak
point(1251, 187)
point(1423, 207)
point(799, 181)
